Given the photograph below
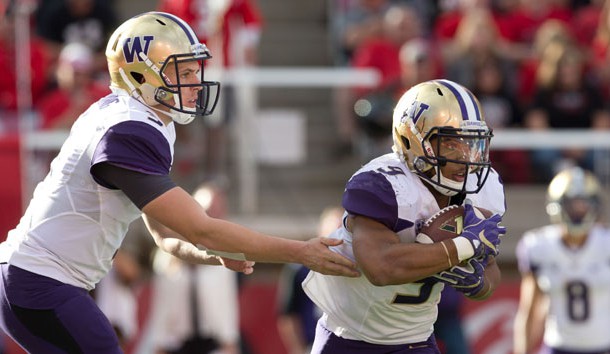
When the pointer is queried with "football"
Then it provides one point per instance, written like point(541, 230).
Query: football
point(446, 224)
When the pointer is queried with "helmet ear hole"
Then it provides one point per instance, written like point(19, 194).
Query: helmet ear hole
point(405, 141)
point(138, 77)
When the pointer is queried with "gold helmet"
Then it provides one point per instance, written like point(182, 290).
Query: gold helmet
point(451, 115)
point(140, 50)
point(574, 200)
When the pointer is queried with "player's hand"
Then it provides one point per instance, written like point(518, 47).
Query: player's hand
point(482, 234)
point(467, 278)
point(246, 267)
point(318, 257)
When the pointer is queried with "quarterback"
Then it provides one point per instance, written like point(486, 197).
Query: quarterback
point(113, 168)
point(565, 268)
point(440, 157)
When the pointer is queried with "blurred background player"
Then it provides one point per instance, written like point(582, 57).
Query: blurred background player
point(297, 314)
point(565, 267)
point(436, 162)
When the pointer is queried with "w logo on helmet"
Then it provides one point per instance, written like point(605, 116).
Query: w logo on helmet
point(139, 45)
point(416, 110)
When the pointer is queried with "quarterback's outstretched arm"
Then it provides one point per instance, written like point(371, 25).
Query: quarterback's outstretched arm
point(180, 212)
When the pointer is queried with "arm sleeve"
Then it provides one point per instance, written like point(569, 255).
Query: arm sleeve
point(370, 194)
point(139, 187)
point(135, 146)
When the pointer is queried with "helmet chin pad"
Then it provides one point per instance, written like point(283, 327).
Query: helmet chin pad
point(443, 183)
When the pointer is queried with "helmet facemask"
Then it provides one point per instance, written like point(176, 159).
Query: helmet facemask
point(580, 214)
point(466, 151)
point(169, 94)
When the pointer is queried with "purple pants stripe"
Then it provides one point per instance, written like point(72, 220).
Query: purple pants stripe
point(46, 316)
point(327, 342)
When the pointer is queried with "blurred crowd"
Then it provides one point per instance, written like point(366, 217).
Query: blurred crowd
point(534, 64)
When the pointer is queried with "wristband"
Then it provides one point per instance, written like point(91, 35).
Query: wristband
point(447, 253)
point(464, 248)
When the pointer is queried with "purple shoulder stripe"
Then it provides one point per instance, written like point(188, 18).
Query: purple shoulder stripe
point(370, 194)
point(135, 146)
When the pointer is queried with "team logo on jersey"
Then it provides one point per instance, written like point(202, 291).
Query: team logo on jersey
point(136, 45)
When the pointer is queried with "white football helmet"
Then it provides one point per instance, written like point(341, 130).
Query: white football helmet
point(574, 200)
point(449, 115)
point(140, 50)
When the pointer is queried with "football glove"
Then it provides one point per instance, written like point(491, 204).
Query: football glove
point(483, 235)
point(467, 278)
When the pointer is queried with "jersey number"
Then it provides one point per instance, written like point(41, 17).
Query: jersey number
point(425, 289)
point(391, 170)
point(578, 301)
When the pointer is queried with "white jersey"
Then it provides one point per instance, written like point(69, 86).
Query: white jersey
point(73, 226)
point(577, 282)
point(388, 192)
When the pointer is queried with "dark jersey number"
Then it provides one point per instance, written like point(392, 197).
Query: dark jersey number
point(425, 289)
point(391, 170)
point(578, 300)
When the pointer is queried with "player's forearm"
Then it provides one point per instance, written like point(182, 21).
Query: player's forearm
point(187, 251)
point(225, 236)
point(174, 244)
point(178, 211)
point(400, 263)
point(523, 341)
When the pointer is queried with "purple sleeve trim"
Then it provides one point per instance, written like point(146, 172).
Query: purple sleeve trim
point(370, 194)
point(135, 146)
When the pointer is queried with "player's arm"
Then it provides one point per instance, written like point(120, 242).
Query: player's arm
point(171, 242)
point(141, 188)
point(138, 147)
point(177, 210)
point(384, 260)
point(370, 201)
point(529, 320)
point(171, 206)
